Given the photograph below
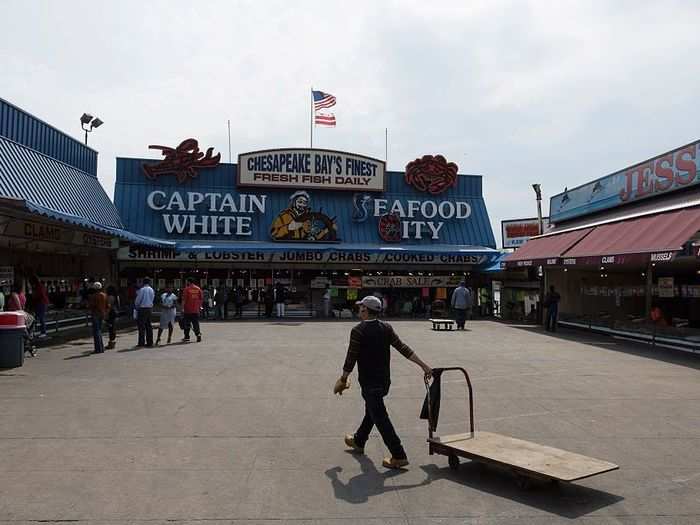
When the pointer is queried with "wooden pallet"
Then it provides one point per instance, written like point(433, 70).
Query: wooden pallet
point(523, 457)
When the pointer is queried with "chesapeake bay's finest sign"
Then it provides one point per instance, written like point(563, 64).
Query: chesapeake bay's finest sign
point(310, 168)
point(671, 171)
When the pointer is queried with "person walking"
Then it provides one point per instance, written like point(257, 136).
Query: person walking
point(327, 302)
point(551, 302)
point(260, 299)
point(280, 297)
point(40, 299)
point(369, 347)
point(98, 311)
point(269, 301)
point(462, 304)
point(238, 298)
point(113, 304)
point(144, 309)
point(207, 302)
point(168, 301)
point(192, 298)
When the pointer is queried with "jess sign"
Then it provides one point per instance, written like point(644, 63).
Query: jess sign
point(671, 171)
point(310, 168)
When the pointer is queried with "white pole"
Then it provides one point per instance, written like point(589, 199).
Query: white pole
point(311, 122)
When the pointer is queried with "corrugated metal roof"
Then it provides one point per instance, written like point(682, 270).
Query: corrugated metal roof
point(53, 185)
point(26, 129)
point(132, 190)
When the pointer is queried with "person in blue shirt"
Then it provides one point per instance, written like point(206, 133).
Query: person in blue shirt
point(144, 308)
point(462, 303)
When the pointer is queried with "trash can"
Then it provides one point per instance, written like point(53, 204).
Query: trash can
point(12, 331)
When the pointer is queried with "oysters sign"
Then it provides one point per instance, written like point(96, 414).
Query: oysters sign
point(311, 168)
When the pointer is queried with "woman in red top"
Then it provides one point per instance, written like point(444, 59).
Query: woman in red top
point(41, 303)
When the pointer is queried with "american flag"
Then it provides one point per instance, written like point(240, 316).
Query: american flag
point(323, 100)
point(324, 119)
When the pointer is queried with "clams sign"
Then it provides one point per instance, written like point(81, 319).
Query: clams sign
point(310, 168)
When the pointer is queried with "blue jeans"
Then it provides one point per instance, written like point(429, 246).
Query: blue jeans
point(551, 321)
point(376, 415)
point(41, 317)
point(97, 333)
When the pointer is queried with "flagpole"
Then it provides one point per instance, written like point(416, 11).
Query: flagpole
point(229, 141)
point(311, 121)
point(386, 145)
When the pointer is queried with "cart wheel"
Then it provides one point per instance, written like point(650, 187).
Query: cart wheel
point(453, 461)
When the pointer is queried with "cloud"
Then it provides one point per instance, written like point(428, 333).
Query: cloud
point(558, 93)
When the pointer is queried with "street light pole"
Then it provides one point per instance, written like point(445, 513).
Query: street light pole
point(538, 194)
point(88, 119)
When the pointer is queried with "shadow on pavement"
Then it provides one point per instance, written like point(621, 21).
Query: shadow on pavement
point(666, 355)
point(563, 499)
point(370, 482)
point(79, 356)
point(154, 347)
point(566, 500)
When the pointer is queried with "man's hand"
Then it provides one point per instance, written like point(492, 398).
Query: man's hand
point(343, 383)
point(428, 372)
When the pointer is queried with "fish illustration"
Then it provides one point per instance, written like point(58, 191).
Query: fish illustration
point(598, 189)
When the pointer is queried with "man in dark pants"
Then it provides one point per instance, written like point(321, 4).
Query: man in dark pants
point(369, 348)
point(551, 301)
point(144, 307)
point(192, 298)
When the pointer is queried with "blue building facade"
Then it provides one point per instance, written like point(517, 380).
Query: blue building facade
point(302, 217)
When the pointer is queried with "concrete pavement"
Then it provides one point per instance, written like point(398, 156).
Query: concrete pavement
point(243, 428)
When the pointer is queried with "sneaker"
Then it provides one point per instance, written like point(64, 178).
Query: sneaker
point(394, 462)
point(185, 339)
point(199, 338)
point(350, 442)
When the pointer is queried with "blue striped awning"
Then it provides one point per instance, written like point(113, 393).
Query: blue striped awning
point(45, 186)
point(51, 184)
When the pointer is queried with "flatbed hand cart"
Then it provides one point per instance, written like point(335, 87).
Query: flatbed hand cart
point(525, 459)
point(442, 324)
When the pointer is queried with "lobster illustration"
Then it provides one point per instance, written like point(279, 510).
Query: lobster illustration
point(183, 161)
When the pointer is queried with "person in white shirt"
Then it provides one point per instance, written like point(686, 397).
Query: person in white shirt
point(327, 302)
point(144, 308)
point(168, 301)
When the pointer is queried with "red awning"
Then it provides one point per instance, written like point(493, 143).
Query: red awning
point(548, 247)
point(663, 232)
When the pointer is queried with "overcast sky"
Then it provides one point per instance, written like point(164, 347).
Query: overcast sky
point(552, 92)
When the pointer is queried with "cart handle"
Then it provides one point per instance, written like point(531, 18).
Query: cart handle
point(431, 426)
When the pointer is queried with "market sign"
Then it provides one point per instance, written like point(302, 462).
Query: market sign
point(669, 172)
point(598, 260)
point(312, 169)
point(410, 281)
point(137, 253)
point(516, 232)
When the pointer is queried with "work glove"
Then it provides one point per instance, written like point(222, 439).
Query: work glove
point(340, 385)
